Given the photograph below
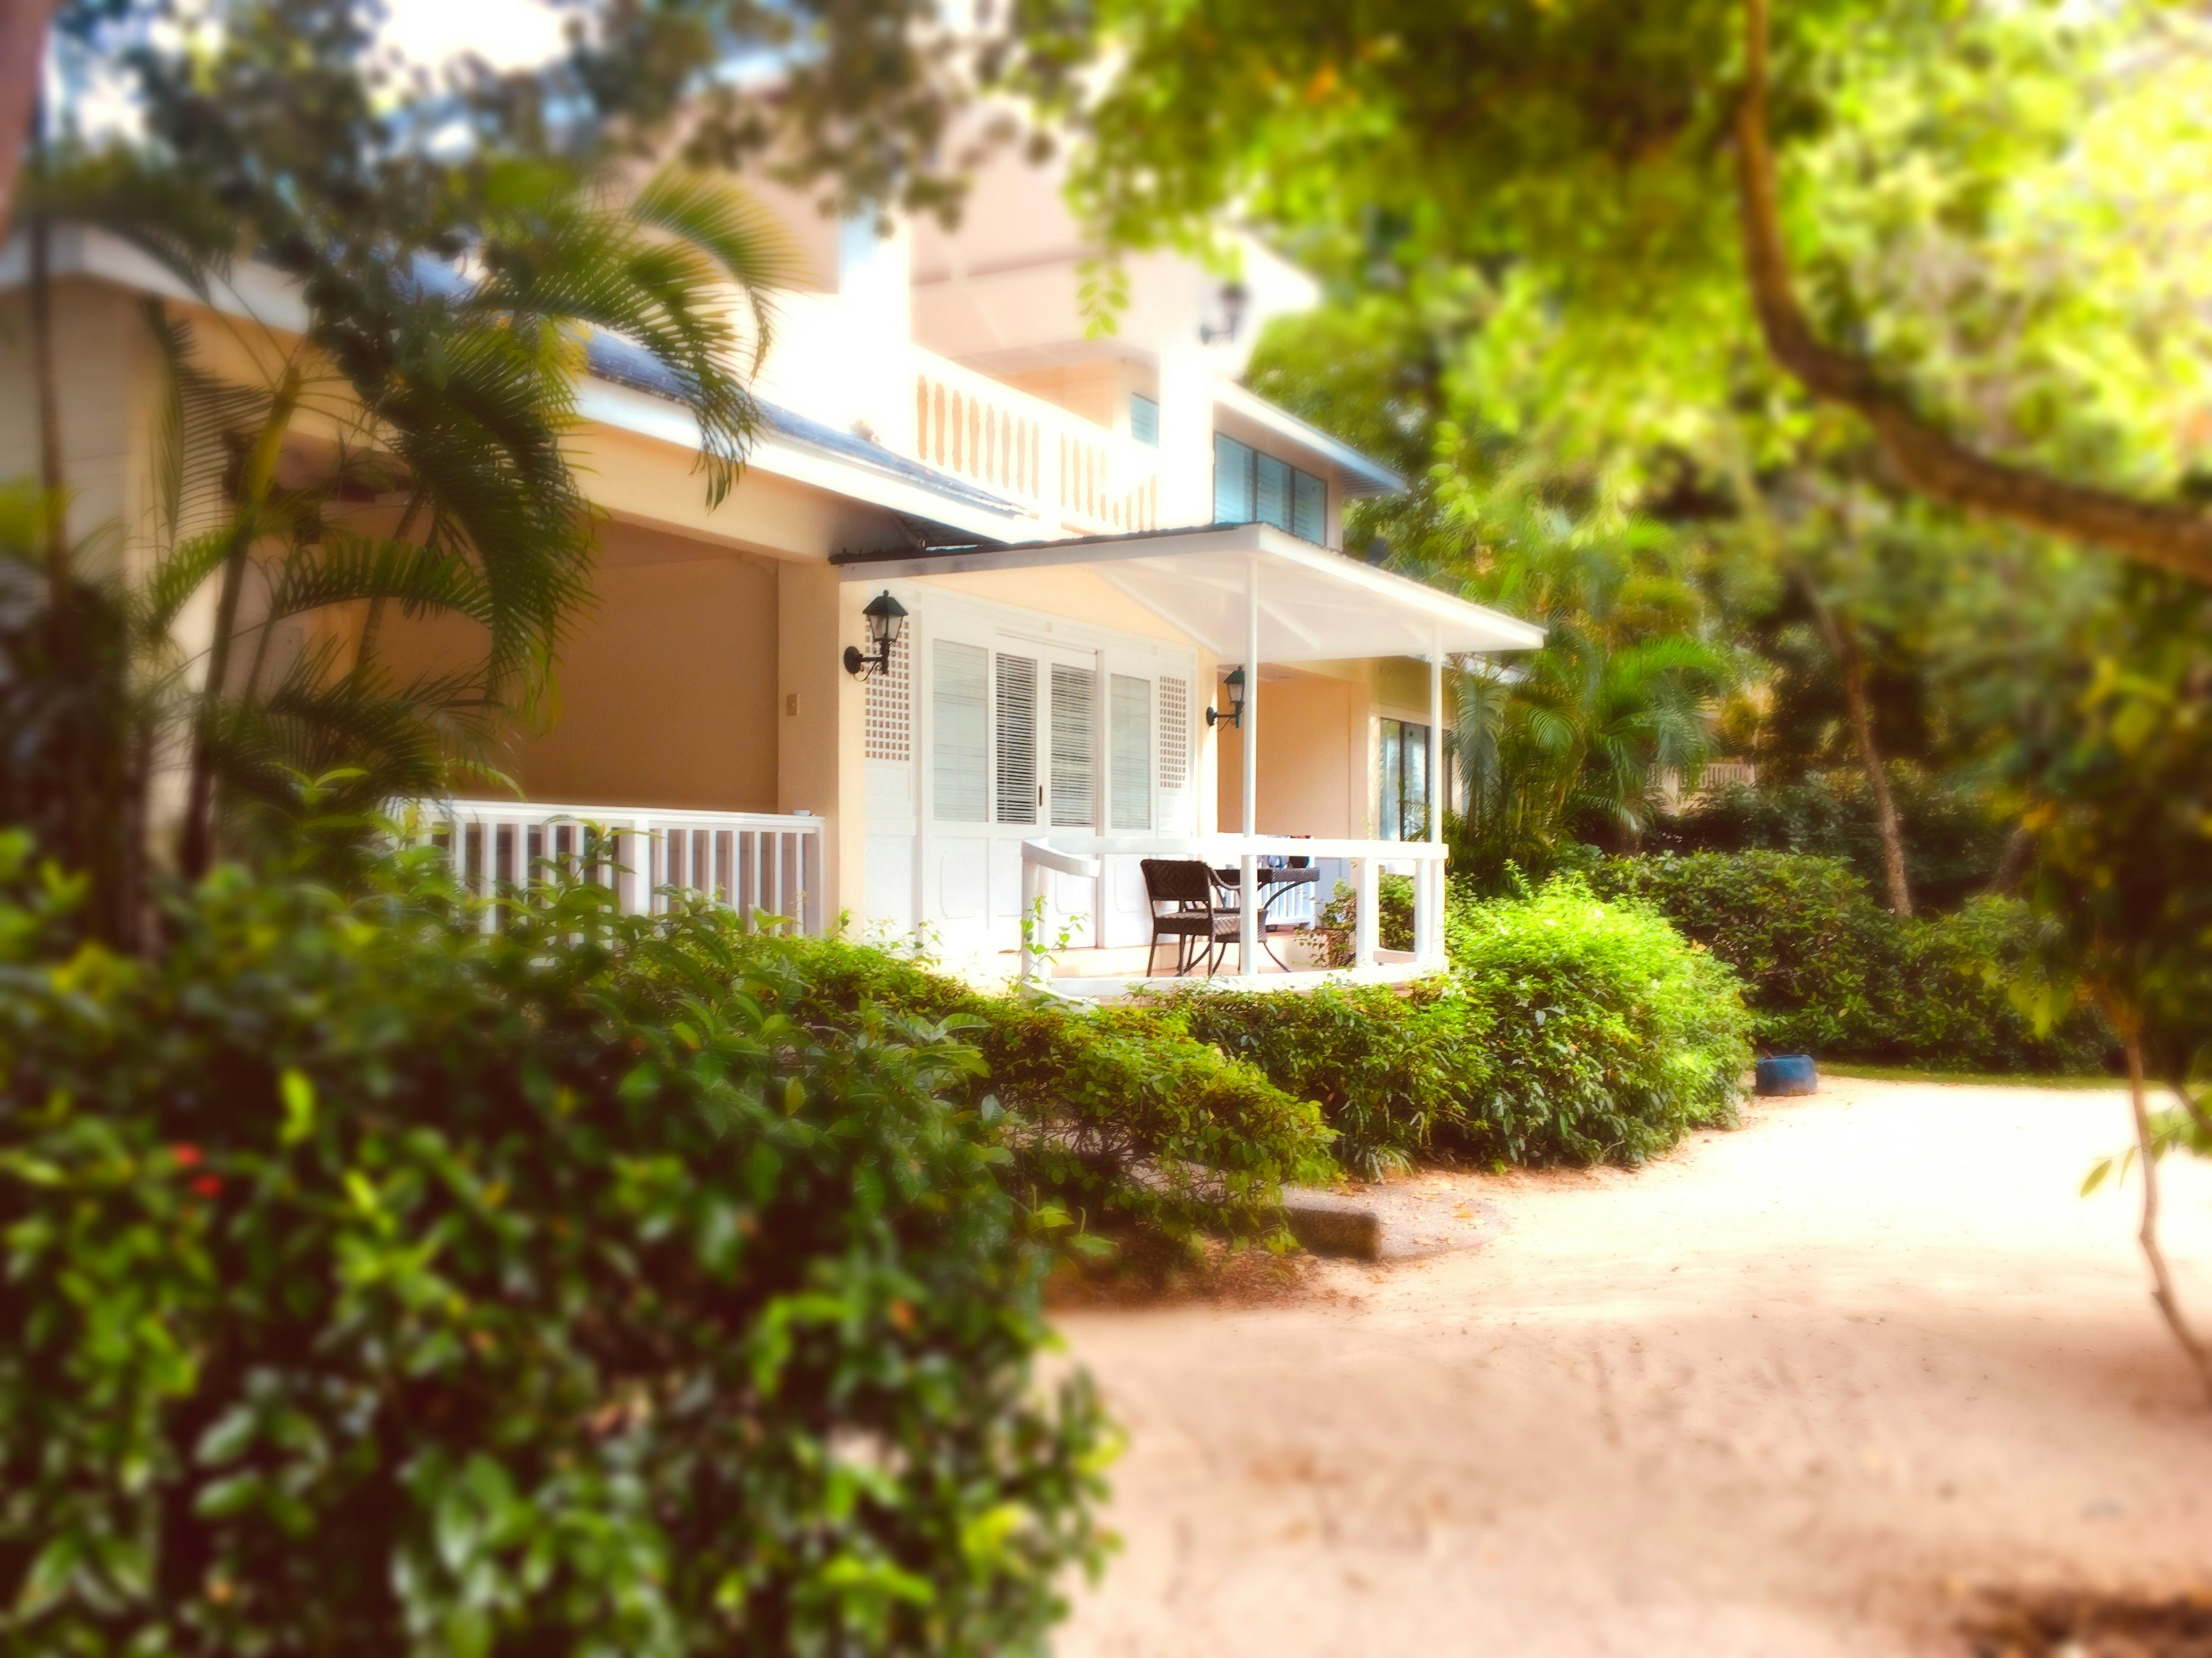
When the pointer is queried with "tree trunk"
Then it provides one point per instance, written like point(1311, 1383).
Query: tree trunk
point(1850, 664)
point(2163, 1291)
point(1925, 457)
point(22, 65)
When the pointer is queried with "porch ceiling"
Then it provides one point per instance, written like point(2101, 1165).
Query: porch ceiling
point(1315, 605)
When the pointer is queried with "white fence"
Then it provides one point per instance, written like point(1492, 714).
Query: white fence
point(758, 863)
point(1078, 855)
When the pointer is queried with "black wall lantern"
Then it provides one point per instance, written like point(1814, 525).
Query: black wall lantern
point(1235, 715)
point(1233, 296)
point(886, 617)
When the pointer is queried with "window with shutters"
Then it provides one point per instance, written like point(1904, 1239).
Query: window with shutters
point(1232, 481)
point(958, 734)
point(1271, 503)
point(1074, 747)
point(1016, 729)
point(1310, 508)
point(890, 711)
point(1250, 487)
point(1144, 419)
point(1129, 753)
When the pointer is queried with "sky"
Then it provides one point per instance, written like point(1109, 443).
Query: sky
point(505, 33)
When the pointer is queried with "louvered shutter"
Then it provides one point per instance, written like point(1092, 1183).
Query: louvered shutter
point(1272, 492)
point(1310, 508)
point(1016, 727)
point(958, 738)
point(1129, 749)
point(1074, 747)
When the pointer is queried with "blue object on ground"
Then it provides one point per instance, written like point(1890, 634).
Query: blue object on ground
point(1786, 1073)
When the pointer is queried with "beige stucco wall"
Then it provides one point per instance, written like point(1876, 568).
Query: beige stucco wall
point(665, 694)
point(1313, 754)
point(1064, 590)
point(106, 375)
point(821, 720)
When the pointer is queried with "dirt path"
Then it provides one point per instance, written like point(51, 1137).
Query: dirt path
point(1800, 1389)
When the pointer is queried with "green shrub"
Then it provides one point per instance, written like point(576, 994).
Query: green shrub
point(1610, 1037)
point(1828, 970)
point(378, 1284)
point(1952, 843)
point(1819, 958)
point(1958, 1012)
point(1386, 1064)
point(1116, 1113)
point(1567, 1031)
point(1394, 917)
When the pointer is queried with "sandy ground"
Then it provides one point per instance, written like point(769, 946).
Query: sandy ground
point(1806, 1387)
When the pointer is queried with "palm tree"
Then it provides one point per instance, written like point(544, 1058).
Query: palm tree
point(401, 444)
point(452, 389)
point(1571, 743)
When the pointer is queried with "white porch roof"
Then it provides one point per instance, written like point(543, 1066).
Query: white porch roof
point(1315, 605)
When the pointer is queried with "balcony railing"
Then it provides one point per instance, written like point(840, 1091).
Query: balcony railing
point(1079, 855)
point(761, 865)
point(1073, 473)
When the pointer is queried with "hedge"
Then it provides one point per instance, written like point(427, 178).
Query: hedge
point(1117, 1114)
point(1568, 1030)
point(1827, 970)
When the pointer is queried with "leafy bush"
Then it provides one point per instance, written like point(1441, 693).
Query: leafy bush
point(1611, 1037)
point(378, 1284)
point(1394, 917)
point(1817, 956)
point(1386, 1064)
point(1116, 1113)
point(1567, 1031)
point(1828, 970)
point(1952, 844)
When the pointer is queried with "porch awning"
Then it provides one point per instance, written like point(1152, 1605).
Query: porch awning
point(1315, 605)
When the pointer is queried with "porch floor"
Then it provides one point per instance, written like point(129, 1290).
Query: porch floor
point(1111, 973)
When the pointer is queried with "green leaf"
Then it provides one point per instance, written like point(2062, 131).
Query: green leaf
point(299, 1096)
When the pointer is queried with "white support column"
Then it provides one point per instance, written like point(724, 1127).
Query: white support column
point(1365, 931)
point(1248, 924)
point(1428, 922)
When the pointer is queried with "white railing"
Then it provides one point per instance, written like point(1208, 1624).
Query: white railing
point(760, 864)
point(1079, 855)
point(1072, 472)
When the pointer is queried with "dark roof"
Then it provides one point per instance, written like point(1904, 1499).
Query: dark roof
point(619, 361)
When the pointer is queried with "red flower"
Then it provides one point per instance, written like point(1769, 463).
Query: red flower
point(208, 1186)
point(187, 1156)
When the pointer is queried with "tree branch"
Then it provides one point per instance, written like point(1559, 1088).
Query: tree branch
point(1926, 458)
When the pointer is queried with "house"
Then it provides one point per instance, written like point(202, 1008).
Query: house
point(1126, 627)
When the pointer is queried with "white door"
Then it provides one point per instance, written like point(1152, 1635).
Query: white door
point(1011, 750)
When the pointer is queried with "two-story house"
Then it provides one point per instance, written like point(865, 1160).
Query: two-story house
point(1125, 629)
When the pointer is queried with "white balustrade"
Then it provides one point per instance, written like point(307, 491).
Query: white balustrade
point(762, 865)
point(1076, 475)
point(1079, 855)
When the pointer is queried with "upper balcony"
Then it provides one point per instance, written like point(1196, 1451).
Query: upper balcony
point(832, 363)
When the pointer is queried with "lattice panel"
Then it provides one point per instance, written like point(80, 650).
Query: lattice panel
point(1174, 751)
point(891, 707)
point(1175, 733)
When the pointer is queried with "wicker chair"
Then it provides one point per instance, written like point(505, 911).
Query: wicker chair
point(1192, 916)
